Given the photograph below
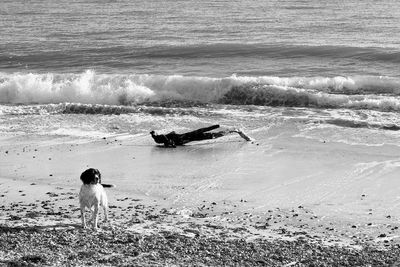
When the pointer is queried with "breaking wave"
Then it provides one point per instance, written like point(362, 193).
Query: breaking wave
point(357, 92)
point(295, 97)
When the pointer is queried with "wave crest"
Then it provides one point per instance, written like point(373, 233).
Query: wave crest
point(357, 92)
point(87, 87)
point(267, 95)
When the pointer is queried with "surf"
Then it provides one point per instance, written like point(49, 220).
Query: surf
point(89, 87)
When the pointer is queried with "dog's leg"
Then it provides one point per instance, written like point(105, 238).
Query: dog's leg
point(95, 216)
point(83, 216)
point(105, 213)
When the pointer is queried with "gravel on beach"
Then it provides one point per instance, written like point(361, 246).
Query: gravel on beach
point(35, 246)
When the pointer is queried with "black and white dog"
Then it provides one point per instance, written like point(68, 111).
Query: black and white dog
point(92, 195)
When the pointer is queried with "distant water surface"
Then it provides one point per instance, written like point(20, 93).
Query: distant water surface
point(202, 38)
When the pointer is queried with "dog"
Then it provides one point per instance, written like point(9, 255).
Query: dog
point(92, 195)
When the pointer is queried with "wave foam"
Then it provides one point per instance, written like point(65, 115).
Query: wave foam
point(358, 92)
point(294, 97)
point(87, 87)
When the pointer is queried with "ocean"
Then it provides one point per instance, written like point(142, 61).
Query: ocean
point(110, 57)
point(295, 71)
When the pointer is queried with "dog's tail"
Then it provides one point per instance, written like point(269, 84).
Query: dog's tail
point(108, 185)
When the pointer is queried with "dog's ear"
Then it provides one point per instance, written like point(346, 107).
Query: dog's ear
point(98, 172)
point(86, 176)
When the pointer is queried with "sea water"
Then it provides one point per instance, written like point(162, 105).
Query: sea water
point(331, 64)
point(288, 72)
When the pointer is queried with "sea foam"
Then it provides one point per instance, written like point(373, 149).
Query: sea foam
point(89, 87)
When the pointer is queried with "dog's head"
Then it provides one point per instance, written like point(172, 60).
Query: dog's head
point(91, 176)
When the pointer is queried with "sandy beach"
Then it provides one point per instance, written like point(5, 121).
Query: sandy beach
point(167, 210)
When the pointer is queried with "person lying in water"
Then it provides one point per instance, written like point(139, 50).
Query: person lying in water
point(173, 139)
